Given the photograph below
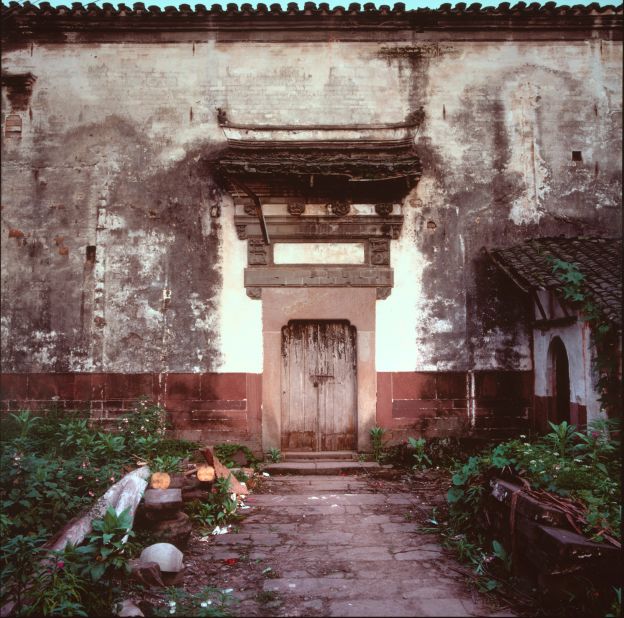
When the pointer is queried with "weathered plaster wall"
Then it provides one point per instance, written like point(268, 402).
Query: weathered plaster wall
point(577, 341)
point(501, 122)
point(112, 156)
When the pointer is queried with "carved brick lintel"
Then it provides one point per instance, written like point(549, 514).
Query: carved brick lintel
point(255, 293)
point(319, 276)
point(307, 228)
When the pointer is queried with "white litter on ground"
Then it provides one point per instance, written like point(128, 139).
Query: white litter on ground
point(221, 530)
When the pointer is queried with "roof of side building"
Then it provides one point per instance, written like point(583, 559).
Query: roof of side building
point(599, 259)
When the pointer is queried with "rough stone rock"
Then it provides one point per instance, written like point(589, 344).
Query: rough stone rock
point(147, 573)
point(176, 530)
point(167, 556)
point(158, 500)
point(128, 608)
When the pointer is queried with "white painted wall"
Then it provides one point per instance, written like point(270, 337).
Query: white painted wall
point(318, 253)
point(240, 316)
point(577, 341)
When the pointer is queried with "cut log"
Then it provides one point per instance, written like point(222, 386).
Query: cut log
point(125, 494)
point(222, 472)
point(160, 480)
point(205, 473)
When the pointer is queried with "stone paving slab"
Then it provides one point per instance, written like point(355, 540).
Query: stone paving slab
point(344, 553)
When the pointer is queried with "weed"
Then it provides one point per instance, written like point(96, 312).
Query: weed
point(166, 463)
point(422, 460)
point(52, 466)
point(208, 602)
point(218, 509)
point(377, 434)
point(226, 450)
point(275, 455)
point(266, 596)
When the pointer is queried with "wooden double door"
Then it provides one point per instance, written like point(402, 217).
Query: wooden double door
point(319, 386)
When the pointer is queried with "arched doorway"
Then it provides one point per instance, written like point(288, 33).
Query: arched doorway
point(560, 381)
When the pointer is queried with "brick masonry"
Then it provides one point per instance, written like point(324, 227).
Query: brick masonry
point(218, 407)
point(544, 410)
point(207, 407)
point(433, 404)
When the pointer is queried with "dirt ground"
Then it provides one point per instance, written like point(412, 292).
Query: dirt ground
point(337, 546)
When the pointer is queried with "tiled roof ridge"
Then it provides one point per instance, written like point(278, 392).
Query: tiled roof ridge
point(138, 9)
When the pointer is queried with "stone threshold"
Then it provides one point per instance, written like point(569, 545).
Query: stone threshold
point(321, 467)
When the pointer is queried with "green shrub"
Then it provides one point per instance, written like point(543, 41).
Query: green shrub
point(584, 467)
point(218, 509)
point(54, 465)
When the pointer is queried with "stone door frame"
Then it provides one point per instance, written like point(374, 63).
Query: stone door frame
point(279, 306)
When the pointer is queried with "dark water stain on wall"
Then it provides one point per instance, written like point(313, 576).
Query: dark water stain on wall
point(112, 165)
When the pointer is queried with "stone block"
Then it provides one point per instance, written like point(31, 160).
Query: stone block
point(162, 500)
point(146, 573)
point(176, 531)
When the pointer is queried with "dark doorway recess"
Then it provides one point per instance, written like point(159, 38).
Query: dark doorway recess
point(560, 381)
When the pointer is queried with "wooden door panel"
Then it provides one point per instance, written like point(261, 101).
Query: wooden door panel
point(318, 386)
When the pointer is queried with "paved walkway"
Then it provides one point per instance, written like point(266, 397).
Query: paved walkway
point(329, 546)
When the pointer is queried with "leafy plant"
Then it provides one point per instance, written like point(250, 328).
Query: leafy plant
point(106, 545)
point(226, 450)
point(53, 465)
point(16, 558)
point(275, 455)
point(604, 332)
point(216, 511)
point(422, 460)
point(584, 467)
point(106, 550)
point(166, 463)
point(377, 434)
point(561, 437)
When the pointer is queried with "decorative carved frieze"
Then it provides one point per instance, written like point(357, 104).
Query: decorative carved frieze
point(310, 228)
point(315, 276)
point(250, 209)
point(379, 251)
point(296, 209)
point(338, 208)
point(383, 210)
point(257, 252)
point(255, 293)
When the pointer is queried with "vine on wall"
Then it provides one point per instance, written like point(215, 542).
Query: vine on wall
point(605, 334)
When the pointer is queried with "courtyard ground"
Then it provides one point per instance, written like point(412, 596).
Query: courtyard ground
point(336, 546)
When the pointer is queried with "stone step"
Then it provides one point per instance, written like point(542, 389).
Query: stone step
point(319, 455)
point(321, 467)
